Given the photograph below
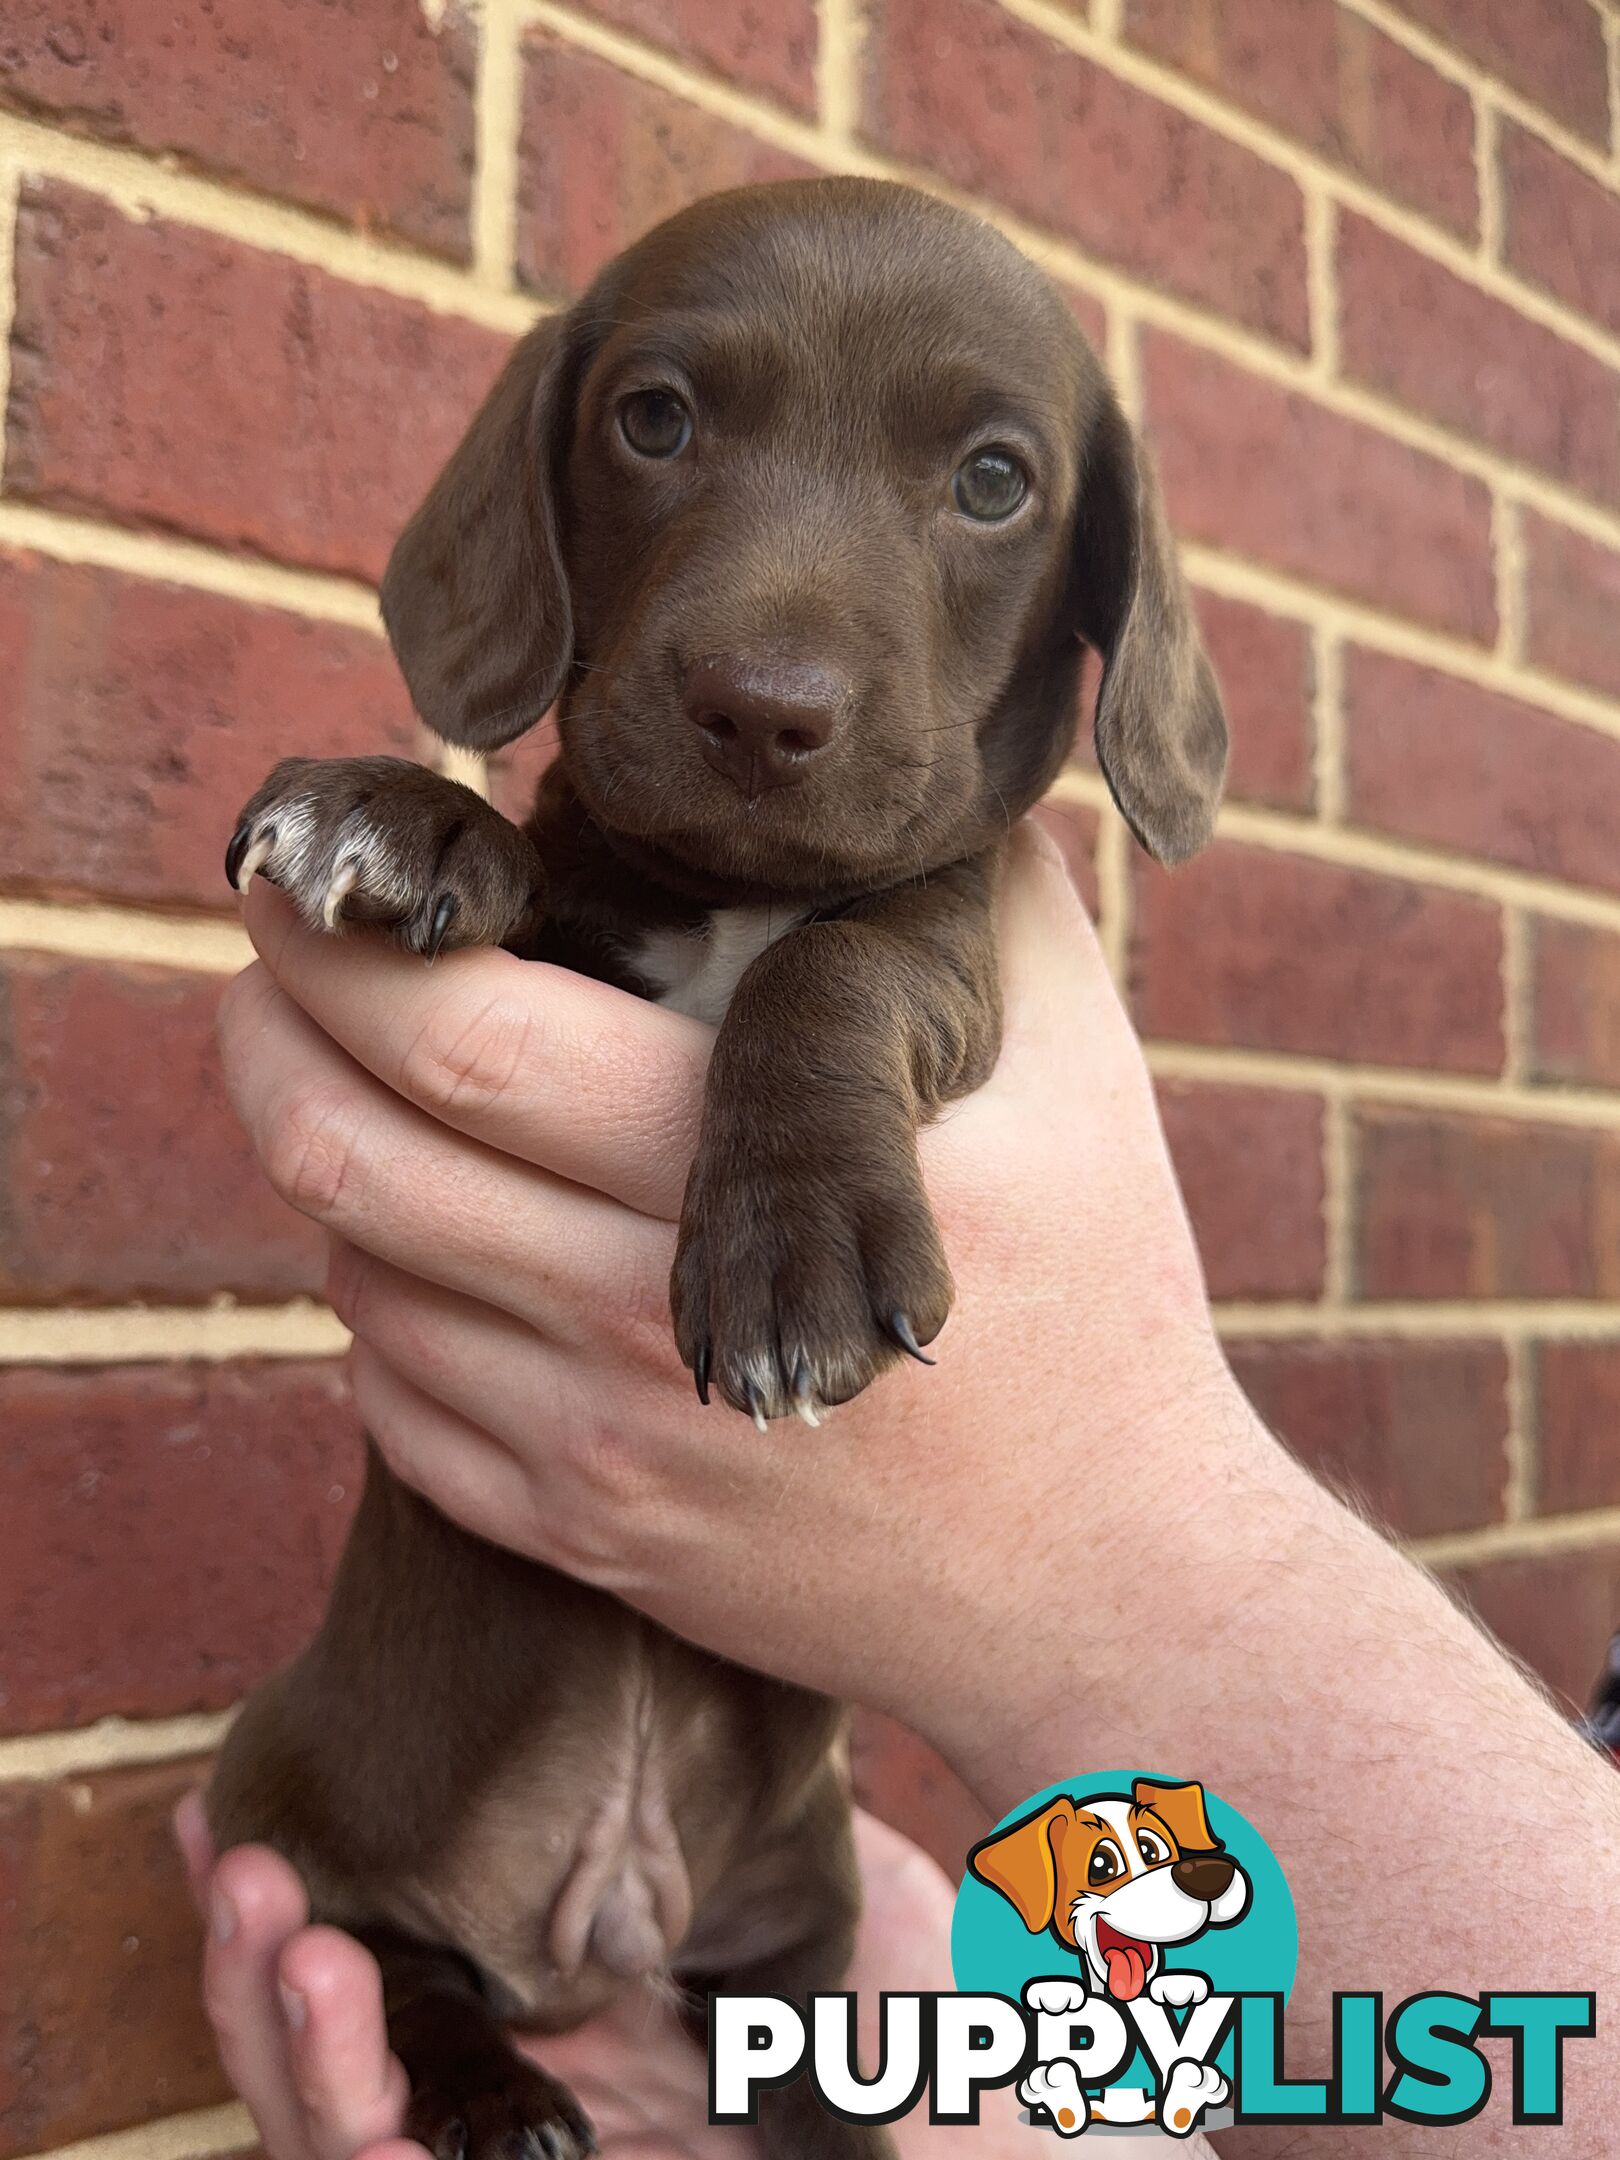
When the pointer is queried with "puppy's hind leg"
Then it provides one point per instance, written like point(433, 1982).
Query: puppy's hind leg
point(473, 2096)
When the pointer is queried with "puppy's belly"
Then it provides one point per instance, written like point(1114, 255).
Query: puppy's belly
point(566, 1877)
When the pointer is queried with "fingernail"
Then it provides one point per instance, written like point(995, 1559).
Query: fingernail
point(293, 2007)
point(224, 1916)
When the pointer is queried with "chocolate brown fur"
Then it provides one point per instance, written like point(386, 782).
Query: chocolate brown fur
point(796, 685)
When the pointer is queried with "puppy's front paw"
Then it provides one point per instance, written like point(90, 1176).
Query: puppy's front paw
point(797, 1282)
point(1178, 1990)
point(380, 840)
point(509, 2111)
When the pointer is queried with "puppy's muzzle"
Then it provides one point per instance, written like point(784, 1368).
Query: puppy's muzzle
point(763, 721)
point(1206, 1878)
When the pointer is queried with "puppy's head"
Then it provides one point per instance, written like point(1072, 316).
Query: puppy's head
point(800, 516)
point(1117, 1879)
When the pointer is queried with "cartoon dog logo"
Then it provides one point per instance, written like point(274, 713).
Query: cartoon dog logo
point(1117, 1880)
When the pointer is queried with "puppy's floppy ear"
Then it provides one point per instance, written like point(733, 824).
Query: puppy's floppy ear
point(1161, 733)
point(1021, 1864)
point(1181, 1809)
point(474, 597)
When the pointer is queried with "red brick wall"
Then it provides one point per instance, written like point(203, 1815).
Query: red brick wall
point(1357, 266)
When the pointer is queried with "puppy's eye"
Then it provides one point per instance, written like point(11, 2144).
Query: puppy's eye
point(1150, 1848)
point(989, 486)
point(1106, 1865)
point(655, 424)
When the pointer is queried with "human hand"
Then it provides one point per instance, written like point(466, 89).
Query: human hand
point(500, 1149)
point(297, 2012)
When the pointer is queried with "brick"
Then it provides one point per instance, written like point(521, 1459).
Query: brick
point(1250, 1164)
point(1246, 946)
point(1268, 677)
point(1572, 601)
point(1090, 314)
point(172, 1528)
point(994, 107)
point(1411, 330)
point(601, 157)
point(123, 1171)
point(366, 113)
point(1265, 472)
point(1556, 1611)
point(1560, 227)
point(1073, 826)
point(1577, 1390)
point(168, 377)
point(1417, 1431)
point(101, 2021)
point(1443, 761)
point(767, 45)
point(143, 715)
point(1320, 74)
point(1464, 1207)
point(1551, 50)
point(903, 1782)
point(1574, 1003)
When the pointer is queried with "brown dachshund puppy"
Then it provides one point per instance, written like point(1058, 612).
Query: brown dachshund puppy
point(799, 517)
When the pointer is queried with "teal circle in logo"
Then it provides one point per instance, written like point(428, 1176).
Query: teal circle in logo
point(1002, 1937)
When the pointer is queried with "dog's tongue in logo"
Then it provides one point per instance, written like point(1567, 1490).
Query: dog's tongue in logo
point(1126, 1960)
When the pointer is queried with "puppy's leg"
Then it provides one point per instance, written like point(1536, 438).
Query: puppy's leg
point(380, 840)
point(473, 2096)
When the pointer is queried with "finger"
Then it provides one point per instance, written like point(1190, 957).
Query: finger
point(257, 1905)
point(196, 1843)
point(352, 2086)
point(600, 1088)
point(348, 1153)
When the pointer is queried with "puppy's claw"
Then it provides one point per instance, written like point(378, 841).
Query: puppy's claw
point(237, 849)
point(443, 916)
point(700, 1373)
point(804, 1401)
point(901, 1329)
point(248, 864)
point(756, 1403)
point(344, 879)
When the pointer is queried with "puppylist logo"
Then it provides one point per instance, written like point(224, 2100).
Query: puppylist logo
point(1124, 1947)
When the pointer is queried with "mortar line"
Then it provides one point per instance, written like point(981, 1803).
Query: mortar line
point(92, 931)
point(1114, 897)
point(1516, 1016)
point(1508, 564)
point(1611, 32)
point(1338, 1197)
point(497, 114)
point(1356, 848)
point(162, 558)
point(195, 2136)
point(1443, 1320)
point(10, 192)
point(1124, 350)
point(1519, 1487)
point(1321, 281)
point(840, 31)
point(1488, 176)
point(1532, 1539)
point(111, 1743)
point(1327, 724)
point(144, 1334)
point(141, 187)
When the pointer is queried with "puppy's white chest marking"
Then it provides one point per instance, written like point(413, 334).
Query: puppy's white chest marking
point(697, 971)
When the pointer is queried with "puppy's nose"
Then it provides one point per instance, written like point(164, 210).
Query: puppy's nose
point(762, 721)
point(1204, 1878)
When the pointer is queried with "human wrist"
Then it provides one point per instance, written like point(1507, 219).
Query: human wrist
point(1113, 1601)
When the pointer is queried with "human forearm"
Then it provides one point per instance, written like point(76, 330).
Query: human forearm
point(1438, 1822)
